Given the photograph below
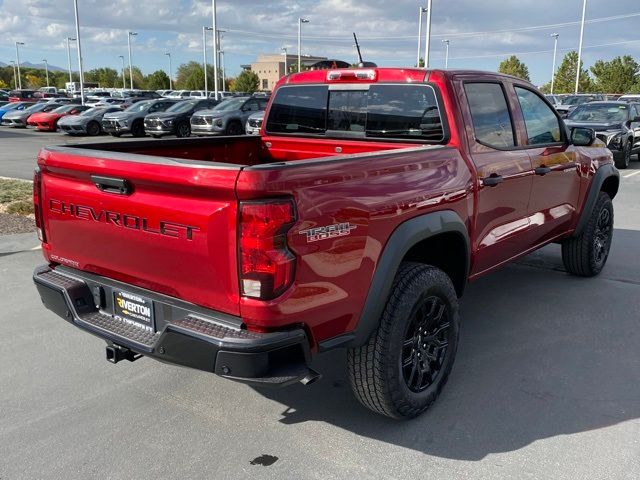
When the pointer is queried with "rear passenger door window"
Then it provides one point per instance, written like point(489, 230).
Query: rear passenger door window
point(490, 115)
point(542, 124)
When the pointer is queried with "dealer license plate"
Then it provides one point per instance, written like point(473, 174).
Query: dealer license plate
point(133, 309)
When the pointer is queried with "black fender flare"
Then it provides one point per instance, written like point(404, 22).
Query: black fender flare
point(602, 174)
point(404, 237)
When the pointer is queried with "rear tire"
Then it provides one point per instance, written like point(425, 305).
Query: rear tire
point(405, 364)
point(586, 254)
point(93, 129)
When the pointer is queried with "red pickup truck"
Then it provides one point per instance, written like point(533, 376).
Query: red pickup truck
point(354, 220)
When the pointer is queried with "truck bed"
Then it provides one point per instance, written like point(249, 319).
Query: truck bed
point(174, 231)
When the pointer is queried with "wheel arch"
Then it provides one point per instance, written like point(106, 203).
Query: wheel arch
point(439, 239)
point(606, 179)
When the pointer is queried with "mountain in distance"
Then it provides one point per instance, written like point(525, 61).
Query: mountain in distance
point(52, 68)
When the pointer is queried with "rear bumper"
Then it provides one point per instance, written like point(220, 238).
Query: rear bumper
point(185, 334)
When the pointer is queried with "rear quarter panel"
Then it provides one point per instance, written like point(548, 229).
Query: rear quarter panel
point(374, 193)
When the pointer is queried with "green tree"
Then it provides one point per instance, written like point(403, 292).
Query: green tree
point(565, 78)
point(138, 78)
point(513, 66)
point(247, 81)
point(189, 77)
point(616, 76)
point(105, 77)
point(157, 80)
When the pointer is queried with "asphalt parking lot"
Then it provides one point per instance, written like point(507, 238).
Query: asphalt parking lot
point(546, 385)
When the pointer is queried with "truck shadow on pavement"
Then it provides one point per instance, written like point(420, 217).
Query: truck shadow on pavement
point(541, 354)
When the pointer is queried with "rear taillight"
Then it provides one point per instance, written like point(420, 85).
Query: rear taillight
point(266, 264)
point(37, 203)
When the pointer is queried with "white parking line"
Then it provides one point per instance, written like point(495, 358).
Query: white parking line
point(631, 174)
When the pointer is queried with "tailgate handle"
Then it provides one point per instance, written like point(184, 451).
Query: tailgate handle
point(112, 185)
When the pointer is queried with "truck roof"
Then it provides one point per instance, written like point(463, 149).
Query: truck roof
point(384, 74)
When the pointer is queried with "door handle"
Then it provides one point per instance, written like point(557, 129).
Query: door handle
point(542, 170)
point(492, 180)
point(119, 186)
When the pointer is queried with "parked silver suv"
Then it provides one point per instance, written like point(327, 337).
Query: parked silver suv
point(132, 119)
point(228, 117)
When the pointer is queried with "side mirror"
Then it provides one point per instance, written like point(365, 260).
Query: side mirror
point(582, 137)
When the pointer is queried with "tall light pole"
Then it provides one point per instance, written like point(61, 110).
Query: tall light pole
point(300, 22)
point(284, 50)
point(69, 39)
point(204, 55)
point(224, 88)
point(555, 51)
point(584, 10)
point(18, 63)
point(168, 54)
point(221, 55)
point(46, 69)
point(427, 35)
point(421, 10)
point(215, 49)
point(78, 45)
point(15, 78)
point(129, 35)
point(124, 83)
point(446, 53)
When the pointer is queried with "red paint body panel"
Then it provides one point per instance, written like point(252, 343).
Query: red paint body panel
point(375, 186)
point(46, 121)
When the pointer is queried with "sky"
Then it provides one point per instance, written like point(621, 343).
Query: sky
point(481, 34)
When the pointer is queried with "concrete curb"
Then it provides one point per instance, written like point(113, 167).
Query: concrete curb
point(19, 242)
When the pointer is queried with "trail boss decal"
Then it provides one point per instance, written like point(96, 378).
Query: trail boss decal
point(330, 231)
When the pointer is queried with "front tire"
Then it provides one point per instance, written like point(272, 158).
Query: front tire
point(183, 130)
point(586, 254)
point(137, 129)
point(405, 364)
point(234, 128)
point(623, 162)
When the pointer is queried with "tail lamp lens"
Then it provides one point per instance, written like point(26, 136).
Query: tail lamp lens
point(266, 264)
point(37, 203)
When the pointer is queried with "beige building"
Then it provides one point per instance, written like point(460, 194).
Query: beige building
point(270, 67)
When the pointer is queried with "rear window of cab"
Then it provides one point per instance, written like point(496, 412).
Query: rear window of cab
point(401, 111)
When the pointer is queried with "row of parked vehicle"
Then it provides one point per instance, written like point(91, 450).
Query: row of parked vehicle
point(139, 113)
point(615, 119)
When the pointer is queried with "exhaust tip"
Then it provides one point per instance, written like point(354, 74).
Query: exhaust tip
point(311, 377)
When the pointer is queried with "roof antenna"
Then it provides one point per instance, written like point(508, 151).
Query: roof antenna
point(360, 63)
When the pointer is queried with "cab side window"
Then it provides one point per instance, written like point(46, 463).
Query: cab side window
point(251, 106)
point(541, 123)
point(490, 114)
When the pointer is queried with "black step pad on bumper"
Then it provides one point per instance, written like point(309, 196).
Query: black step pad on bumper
point(186, 334)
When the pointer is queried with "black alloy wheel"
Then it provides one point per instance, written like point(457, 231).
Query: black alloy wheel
point(425, 344)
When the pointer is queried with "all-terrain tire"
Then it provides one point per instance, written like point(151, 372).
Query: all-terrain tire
point(376, 373)
point(586, 254)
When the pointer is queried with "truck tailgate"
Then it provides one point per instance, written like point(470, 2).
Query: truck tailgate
point(172, 231)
